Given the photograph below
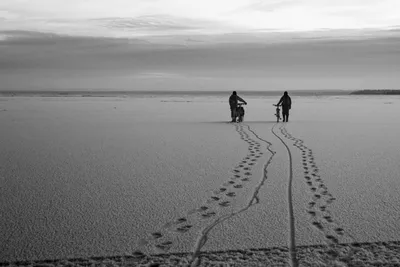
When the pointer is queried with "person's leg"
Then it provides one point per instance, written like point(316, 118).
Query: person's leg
point(285, 113)
point(233, 115)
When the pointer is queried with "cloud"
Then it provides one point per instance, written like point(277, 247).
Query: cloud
point(268, 6)
point(161, 25)
point(124, 18)
point(72, 62)
point(309, 15)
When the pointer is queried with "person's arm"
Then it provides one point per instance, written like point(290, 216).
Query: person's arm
point(280, 101)
point(241, 99)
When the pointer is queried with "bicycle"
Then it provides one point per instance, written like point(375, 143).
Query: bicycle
point(240, 112)
point(277, 113)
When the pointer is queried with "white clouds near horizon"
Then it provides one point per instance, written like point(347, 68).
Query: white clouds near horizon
point(154, 17)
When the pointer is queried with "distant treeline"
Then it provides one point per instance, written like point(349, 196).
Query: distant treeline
point(376, 92)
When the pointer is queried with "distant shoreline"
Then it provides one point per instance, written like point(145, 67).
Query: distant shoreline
point(109, 93)
point(169, 93)
point(376, 92)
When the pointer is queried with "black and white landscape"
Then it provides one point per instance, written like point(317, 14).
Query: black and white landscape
point(116, 146)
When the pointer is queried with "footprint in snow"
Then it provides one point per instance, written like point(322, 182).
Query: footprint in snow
point(332, 238)
point(208, 214)
point(184, 229)
point(339, 231)
point(318, 225)
point(311, 212)
point(224, 203)
point(138, 255)
point(165, 245)
point(156, 235)
point(231, 194)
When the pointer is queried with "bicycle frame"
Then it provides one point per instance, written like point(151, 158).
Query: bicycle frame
point(278, 113)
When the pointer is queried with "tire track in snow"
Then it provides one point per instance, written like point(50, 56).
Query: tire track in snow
point(292, 233)
point(321, 199)
point(164, 238)
point(203, 237)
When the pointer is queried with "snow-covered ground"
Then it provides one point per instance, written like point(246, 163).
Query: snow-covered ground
point(85, 177)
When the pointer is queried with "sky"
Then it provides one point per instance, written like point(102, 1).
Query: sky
point(131, 18)
point(199, 45)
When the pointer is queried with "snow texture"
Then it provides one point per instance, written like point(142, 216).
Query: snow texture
point(168, 181)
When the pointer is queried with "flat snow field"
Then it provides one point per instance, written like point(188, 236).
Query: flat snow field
point(141, 181)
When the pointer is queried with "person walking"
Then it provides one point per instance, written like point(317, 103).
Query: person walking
point(286, 103)
point(233, 101)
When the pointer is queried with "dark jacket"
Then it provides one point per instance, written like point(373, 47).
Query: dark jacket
point(286, 102)
point(233, 101)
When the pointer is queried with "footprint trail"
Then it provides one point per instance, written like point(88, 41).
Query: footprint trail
point(203, 237)
point(321, 198)
point(219, 205)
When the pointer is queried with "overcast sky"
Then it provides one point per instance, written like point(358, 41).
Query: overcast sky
point(147, 17)
point(199, 45)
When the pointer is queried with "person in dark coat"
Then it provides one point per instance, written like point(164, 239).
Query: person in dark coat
point(286, 102)
point(233, 102)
